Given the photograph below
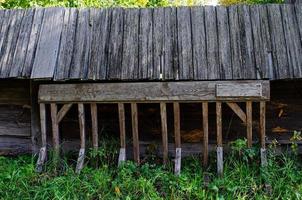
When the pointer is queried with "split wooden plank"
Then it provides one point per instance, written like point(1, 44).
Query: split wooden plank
point(235, 45)
point(170, 62)
point(135, 135)
point(249, 124)
point(48, 46)
point(121, 112)
point(239, 112)
point(225, 62)
point(184, 43)
point(153, 91)
point(219, 139)
point(98, 62)
point(9, 48)
point(246, 41)
point(145, 53)
point(33, 41)
point(115, 48)
point(163, 116)
point(212, 43)
point(177, 138)
point(205, 125)
point(82, 46)
point(43, 150)
point(94, 121)
point(67, 44)
point(19, 55)
point(63, 111)
point(158, 41)
point(294, 48)
point(199, 43)
point(80, 161)
point(280, 61)
point(130, 45)
point(55, 132)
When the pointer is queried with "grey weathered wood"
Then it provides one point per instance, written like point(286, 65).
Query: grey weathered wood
point(115, 48)
point(263, 155)
point(67, 44)
point(158, 41)
point(63, 111)
point(122, 156)
point(135, 135)
point(4, 27)
point(225, 58)
point(152, 91)
point(43, 150)
point(239, 90)
point(212, 43)
point(33, 41)
point(145, 53)
point(239, 112)
point(41, 159)
point(262, 124)
point(48, 45)
point(177, 161)
point(130, 45)
point(177, 136)
point(219, 123)
point(220, 161)
point(199, 43)
point(163, 116)
point(80, 161)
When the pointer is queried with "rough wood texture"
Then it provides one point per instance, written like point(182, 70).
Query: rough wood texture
point(177, 161)
point(163, 116)
point(262, 124)
point(205, 125)
point(220, 161)
point(135, 135)
point(94, 121)
point(155, 91)
point(239, 112)
point(80, 162)
point(219, 124)
point(121, 112)
point(55, 131)
point(249, 124)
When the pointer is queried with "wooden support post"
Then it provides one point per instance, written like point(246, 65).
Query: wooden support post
point(177, 138)
point(262, 134)
point(249, 124)
point(43, 150)
point(81, 157)
point(205, 133)
point(94, 123)
point(163, 116)
point(55, 132)
point(135, 133)
point(121, 113)
point(219, 139)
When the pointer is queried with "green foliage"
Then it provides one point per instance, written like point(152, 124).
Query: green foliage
point(242, 180)
point(233, 2)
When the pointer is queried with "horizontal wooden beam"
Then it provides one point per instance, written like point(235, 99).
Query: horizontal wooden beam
point(189, 91)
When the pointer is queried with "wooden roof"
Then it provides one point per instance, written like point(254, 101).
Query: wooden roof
point(185, 43)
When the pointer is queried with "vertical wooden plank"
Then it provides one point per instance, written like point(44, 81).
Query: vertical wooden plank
point(225, 62)
point(130, 45)
point(212, 43)
point(205, 133)
point(177, 138)
point(94, 120)
point(43, 150)
point(135, 133)
point(262, 123)
point(249, 124)
point(219, 139)
point(55, 131)
point(80, 161)
point(145, 42)
point(158, 37)
point(121, 113)
point(184, 43)
point(199, 44)
point(163, 116)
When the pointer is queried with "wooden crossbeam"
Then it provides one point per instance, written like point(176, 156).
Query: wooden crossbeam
point(80, 161)
point(249, 124)
point(237, 110)
point(121, 112)
point(55, 132)
point(43, 150)
point(205, 133)
point(163, 115)
point(176, 110)
point(135, 133)
point(219, 139)
point(63, 111)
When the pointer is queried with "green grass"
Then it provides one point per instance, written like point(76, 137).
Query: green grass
point(243, 179)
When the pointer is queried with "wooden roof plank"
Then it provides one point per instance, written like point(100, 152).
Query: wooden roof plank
point(185, 49)
point(4, 33)
point(158, 40)
point(48, 44)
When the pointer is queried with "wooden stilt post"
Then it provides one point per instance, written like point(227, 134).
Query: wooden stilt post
point(163, 115)
point(205, 133)
point(219, 139)
point(94, 126)
point(135, 133)
point(177, 138)
point(262, 134)
point(249, 124)
point(55, 132)
point(81, 157)
point(43, 150)
point(121, 112)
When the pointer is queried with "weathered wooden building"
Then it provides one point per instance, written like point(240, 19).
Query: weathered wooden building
point(230, 58)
